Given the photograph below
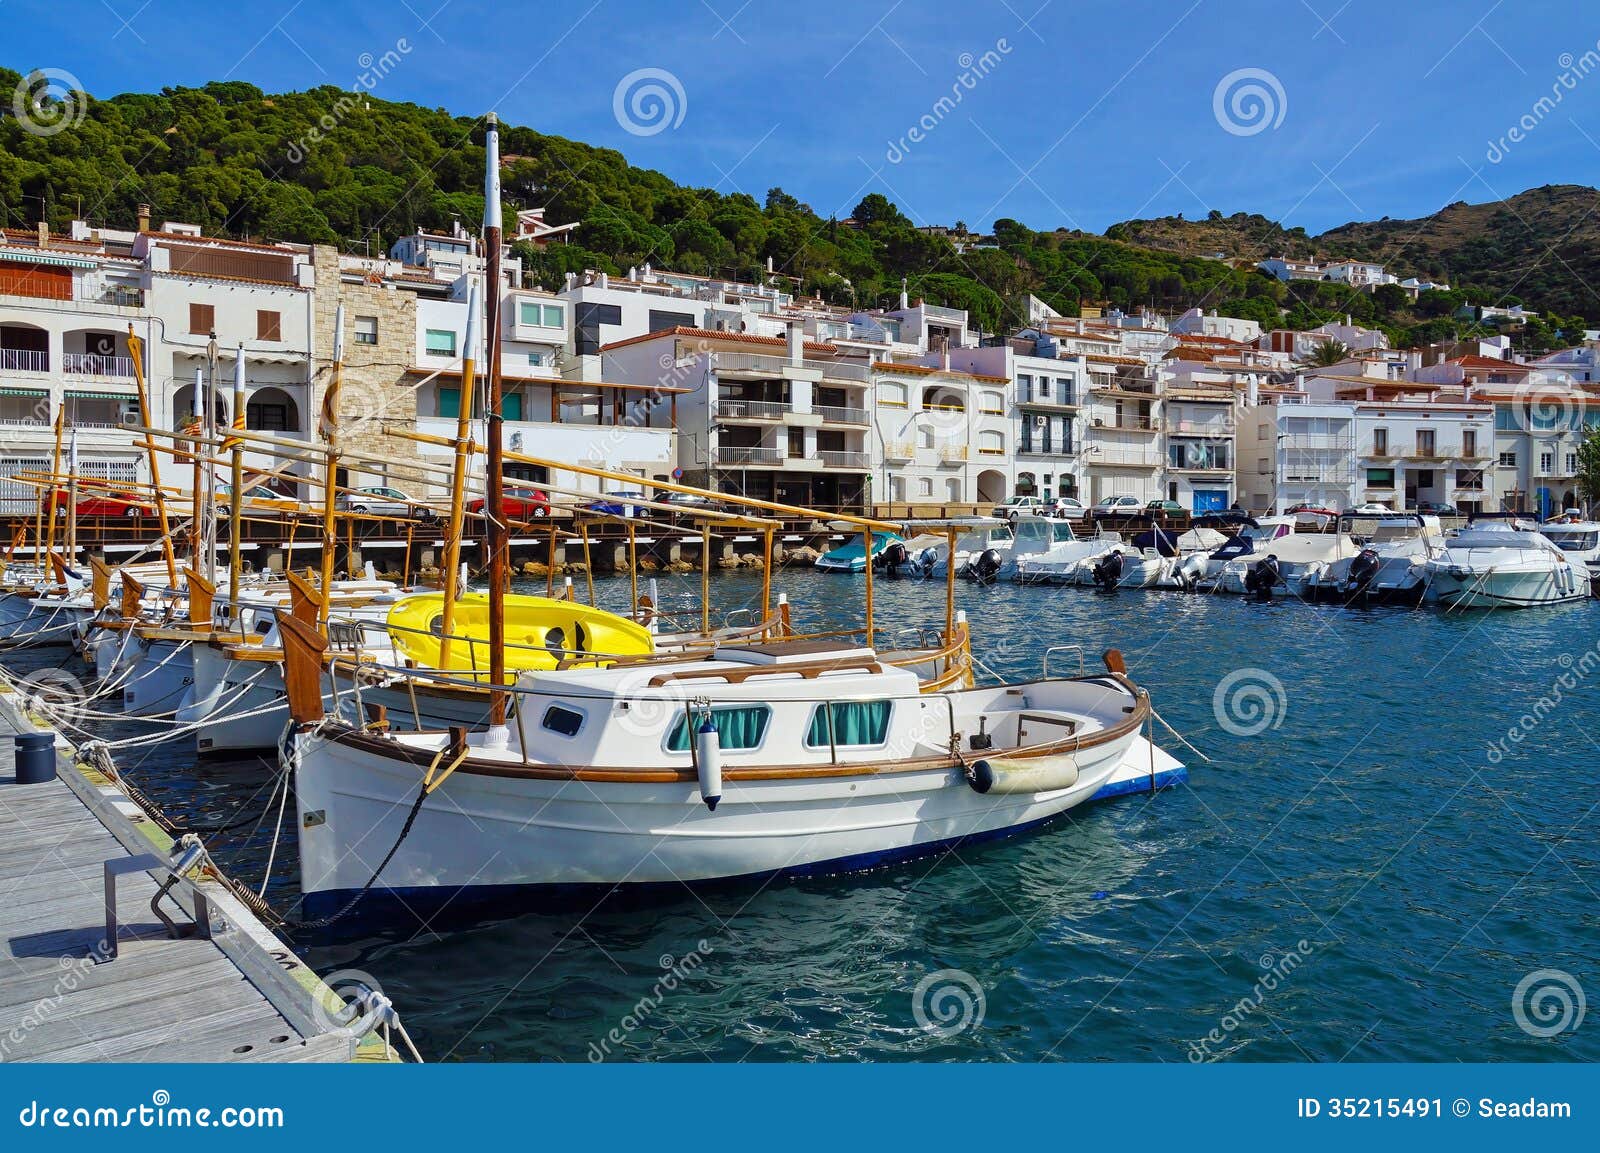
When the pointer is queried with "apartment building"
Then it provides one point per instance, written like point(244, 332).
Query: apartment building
point(1294, 451)
point(777, 418)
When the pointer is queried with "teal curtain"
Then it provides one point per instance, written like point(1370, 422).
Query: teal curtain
point(511, 406)
point(449, 402)
point(737, 727)
point(854, 723)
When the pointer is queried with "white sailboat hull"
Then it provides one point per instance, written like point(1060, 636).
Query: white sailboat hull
point(488, 834)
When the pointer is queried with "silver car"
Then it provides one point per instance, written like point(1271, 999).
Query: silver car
point(383, 502)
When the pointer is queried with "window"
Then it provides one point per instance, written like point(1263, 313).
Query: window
point(1024, 385)
point(993, 403)
point(366, 330)
point(1425, 442)
point(202, 319)
point(538, 359)
point(449, 402)
point(1380, 478)
point(925, 486)
point(738, 727)
point(565, 722)
point(892, 394)
point(853, 723)
point(1380, 442)
point(1572, 464)
point(661, 320)
point(269, 325)
point(543, 315)
point(991, 444)
point(1508, 460)
point(441, 342)
point(1547, 462)
point(1469, 443)
point(268, 417)
point(511, 406)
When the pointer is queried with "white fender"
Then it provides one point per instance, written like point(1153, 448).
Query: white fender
point(708, 760)
point(1001, 775)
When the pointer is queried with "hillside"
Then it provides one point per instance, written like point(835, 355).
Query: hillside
point(240, 162)
point(1540, 248)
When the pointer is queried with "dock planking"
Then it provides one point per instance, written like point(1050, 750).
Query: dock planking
point(193, 999)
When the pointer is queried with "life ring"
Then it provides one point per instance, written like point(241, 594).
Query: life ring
point(645, 611)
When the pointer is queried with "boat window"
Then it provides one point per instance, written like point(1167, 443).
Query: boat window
point(853, 723)
point(567, 722)
point(740, 727)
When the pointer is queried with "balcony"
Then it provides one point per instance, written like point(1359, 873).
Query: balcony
point(834, 414)
point(1112, 456)
point(899, 451)
point(749, 455)
point(1128, 423)
point(750, 363)
point(1432, 452)
point(831, 458)
point(851, 373)
point(24, 360)
point(1047, 450)
point(752, 409)
point(953, 455)
point(90, 364)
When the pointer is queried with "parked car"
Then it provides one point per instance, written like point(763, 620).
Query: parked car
point(1310, 509)
point(259, 497)
point(1066, 507)
point(684, 503)
point(1032, 505)
point(383, 502)
point(619, 504)
point(1116, 506)
point(1166, 508)
point(1437, 508)
point(518, 501)
point(105, 502)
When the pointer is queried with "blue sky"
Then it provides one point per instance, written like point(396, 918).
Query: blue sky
point(1083, 115)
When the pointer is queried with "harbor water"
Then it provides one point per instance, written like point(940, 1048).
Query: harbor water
point(1370, 866)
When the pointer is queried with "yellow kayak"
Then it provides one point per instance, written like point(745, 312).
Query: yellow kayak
point(540, 631)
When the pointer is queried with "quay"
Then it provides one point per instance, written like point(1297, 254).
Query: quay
point(78, 857)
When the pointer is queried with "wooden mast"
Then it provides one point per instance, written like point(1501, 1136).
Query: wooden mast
point(458, 481)
point(55, 484)
point(72, 496)
point(136, 354)
point(494, 508)
point(196, 429)
point(329, 428)
point(235, 445)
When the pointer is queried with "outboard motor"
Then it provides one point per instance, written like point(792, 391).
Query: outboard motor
point(893, 557)
point(1261, 577)
point(1363, 571)
point(986, 567)
point(1108, 571)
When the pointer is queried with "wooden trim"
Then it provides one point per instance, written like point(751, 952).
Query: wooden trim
point(303, 650)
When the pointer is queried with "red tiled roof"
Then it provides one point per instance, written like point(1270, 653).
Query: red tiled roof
point(709, 334)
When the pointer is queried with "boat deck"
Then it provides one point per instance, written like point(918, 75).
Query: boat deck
point(238, 995)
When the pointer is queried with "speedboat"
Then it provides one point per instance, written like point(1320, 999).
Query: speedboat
point(1067, 562)
point(1297, 562)
point(933, 559)
point(1504, 563)
point(1203, 569)
point(1032, 537)
point(851, 557)
point(1389, 568)
point(741, 764)
point(1580, 540)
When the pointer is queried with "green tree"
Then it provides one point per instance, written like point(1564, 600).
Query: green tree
point(1589, 466)
point(1329, 353)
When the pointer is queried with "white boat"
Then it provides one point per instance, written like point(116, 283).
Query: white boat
point(1300, 560)
point(1504, 564)
point(1201, 569)
point(1031, 537)
point(1580, 540)
point(1062, 564)
point(753, 761)
point(1390, 567)
point(932, 558)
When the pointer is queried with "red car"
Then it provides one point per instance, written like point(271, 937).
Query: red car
point(519, 503)
point(106, 502)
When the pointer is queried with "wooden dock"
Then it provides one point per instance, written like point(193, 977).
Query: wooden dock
point(232, 994)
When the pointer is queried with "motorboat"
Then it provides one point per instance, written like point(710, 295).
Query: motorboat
point(1580, 540)
point(1295, 562)
point(851, 557)
point(1390, 566)
point(933, 558)
point(1505, 563)
point(542, 632)
point(744, 763)
point(1201, 569)
point(1068, 561)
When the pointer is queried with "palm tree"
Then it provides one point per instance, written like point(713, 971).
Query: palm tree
point(1329, 353)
